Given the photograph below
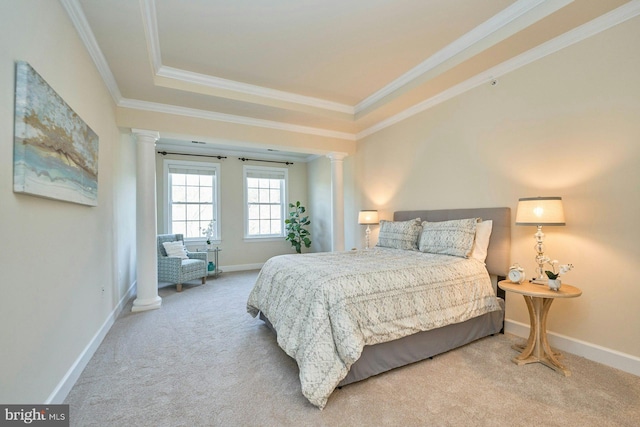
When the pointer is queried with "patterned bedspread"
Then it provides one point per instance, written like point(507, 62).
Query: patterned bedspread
point(326, 307)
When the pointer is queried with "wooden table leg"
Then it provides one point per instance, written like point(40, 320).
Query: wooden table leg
point(547, 356)
point(528, 347)
point(537, 348)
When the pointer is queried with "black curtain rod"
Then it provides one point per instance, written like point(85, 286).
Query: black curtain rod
point(244, 159)
point(164, 153)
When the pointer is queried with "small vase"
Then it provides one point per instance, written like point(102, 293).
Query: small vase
point(554, 284)
point(211, 266)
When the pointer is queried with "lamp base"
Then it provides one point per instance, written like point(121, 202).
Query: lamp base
point(540, 258)
point(368, 232)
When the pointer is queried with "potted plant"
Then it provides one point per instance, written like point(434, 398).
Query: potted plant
point(553, 275)
point(295, 225)
point(208, 233)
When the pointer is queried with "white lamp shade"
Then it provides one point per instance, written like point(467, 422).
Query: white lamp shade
point(368, 217)
point(540, 211)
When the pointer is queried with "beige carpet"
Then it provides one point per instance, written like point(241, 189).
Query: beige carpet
point(201, 360)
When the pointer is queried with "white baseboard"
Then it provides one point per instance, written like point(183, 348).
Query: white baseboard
point(241, 267)
point(606, 356)
point(66, 384)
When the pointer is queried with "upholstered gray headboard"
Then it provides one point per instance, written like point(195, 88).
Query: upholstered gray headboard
point(498, 255)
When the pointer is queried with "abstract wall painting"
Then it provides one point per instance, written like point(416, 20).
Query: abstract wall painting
point(55, 152)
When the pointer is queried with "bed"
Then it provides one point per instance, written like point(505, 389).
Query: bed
point(346, 316)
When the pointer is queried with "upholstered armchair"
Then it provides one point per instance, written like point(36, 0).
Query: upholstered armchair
point(177, 270)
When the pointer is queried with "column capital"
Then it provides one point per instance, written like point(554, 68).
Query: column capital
point(143, 135)
point(337, 156)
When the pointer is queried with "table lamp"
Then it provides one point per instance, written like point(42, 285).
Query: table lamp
point(540, 211)
point(368, 217)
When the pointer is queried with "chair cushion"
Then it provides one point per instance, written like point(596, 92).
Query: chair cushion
point(193, 266)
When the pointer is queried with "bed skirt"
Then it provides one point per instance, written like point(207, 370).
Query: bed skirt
point(379, 358)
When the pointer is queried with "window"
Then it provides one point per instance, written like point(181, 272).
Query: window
point(191, 197)
point(265, 196)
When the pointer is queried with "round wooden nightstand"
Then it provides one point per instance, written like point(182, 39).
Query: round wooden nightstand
point(539, 299)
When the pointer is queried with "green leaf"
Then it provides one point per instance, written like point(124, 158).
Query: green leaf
point(297, 235)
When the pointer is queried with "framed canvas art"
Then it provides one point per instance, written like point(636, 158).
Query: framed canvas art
point(55, 152)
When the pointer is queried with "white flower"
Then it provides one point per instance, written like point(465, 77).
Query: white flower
point(208, 232)
point(564, 269)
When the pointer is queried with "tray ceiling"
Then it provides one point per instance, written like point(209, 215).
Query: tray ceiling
point(343, 68)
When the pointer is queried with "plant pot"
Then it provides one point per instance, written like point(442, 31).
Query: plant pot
point(554, 284)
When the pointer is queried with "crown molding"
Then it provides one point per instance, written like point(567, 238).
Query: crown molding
point(79, 20)
point(249, 89)
point(473, 37)
point(591, 28)
point(150, 27)
point(230, 118)
point(150, 24)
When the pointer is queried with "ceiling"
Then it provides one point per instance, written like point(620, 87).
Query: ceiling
point(340, 68)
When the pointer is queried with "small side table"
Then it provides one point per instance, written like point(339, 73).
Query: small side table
point(215, 251)
point(539, 299)
point(216, 269)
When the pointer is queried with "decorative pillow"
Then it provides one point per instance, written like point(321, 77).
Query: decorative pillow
point(399, 234)
point(483, 233)
point(449, 237)
point(175, 249)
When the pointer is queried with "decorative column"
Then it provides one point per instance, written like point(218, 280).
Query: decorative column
point(146, 222)
point(337, 201)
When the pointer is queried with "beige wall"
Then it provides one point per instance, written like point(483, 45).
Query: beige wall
point(65, 267)
point(567, 125)
point(238, 253)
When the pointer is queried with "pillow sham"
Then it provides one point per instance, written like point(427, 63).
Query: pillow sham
point(175, 249)
point(481, 244)
point(399, 234)
point(453, 237)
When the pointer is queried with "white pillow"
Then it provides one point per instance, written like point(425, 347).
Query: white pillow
point(483, 233)
point(175, 249)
